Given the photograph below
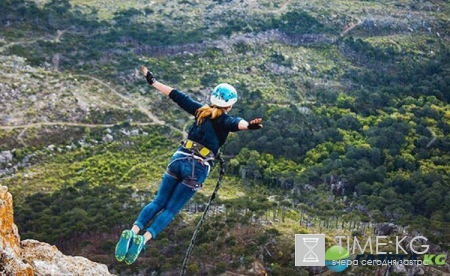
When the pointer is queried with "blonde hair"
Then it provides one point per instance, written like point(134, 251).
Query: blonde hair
point(208, 111)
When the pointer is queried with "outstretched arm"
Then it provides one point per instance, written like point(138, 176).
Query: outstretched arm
point(165, 89)
point(254, 124)
point(183, 100)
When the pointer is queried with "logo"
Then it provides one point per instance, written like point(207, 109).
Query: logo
point(310, 250)
point(336, 258)
point(376, 251)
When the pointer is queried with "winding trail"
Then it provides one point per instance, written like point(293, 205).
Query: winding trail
point(70, 124)
point(27, 126)
point(59, 34)
point(142, 108)
point(19, 137)
point(127, 99)
point(155, 119)
point(351, 26)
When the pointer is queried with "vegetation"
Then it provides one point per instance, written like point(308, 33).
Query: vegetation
point(356, 132)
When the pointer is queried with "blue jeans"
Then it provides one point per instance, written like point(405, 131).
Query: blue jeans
point(172, 194)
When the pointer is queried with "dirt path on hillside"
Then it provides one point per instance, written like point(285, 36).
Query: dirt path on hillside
point(127, 99)
point(70, 124)
point(32, 125)
point(141, 107)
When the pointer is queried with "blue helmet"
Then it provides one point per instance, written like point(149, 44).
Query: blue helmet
point(223, 95)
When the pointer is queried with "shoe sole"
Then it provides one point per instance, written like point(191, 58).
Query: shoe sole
point(124, 242)
point(135, 255)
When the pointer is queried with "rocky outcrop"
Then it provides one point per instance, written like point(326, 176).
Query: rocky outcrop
point(385, 229)
point(48, 260)
point(31, 257)
point(11, 262)
point(5, 157)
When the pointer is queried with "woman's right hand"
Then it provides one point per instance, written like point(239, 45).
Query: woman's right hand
point(144, 70)
point(148, 75)
point(165, 89)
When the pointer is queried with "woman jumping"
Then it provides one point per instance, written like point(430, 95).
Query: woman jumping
point(190, 164)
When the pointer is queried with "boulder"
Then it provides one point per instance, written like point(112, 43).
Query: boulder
point(48, 260)
point(5, 157)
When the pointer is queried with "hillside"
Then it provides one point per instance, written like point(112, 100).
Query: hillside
point(354, 94)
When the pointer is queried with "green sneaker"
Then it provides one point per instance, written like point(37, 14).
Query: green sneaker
point(136, 247)
point(124, 244)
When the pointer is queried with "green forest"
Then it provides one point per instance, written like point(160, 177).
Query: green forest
point(354, 96)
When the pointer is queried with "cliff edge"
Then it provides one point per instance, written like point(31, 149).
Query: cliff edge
point(31, 257)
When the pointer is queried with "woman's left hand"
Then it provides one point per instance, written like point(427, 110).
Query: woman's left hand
point(255, 124)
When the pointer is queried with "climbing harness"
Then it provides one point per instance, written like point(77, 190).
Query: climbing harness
point(197, 153)
point(198, 149)
point(191, 157)
point(200, 222)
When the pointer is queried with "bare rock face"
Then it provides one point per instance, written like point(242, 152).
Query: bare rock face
point(384, 229)
point(48, 260)
point(31, 257)
point(11, 262)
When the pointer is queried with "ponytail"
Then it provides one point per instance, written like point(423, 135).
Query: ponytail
point(208, 111)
